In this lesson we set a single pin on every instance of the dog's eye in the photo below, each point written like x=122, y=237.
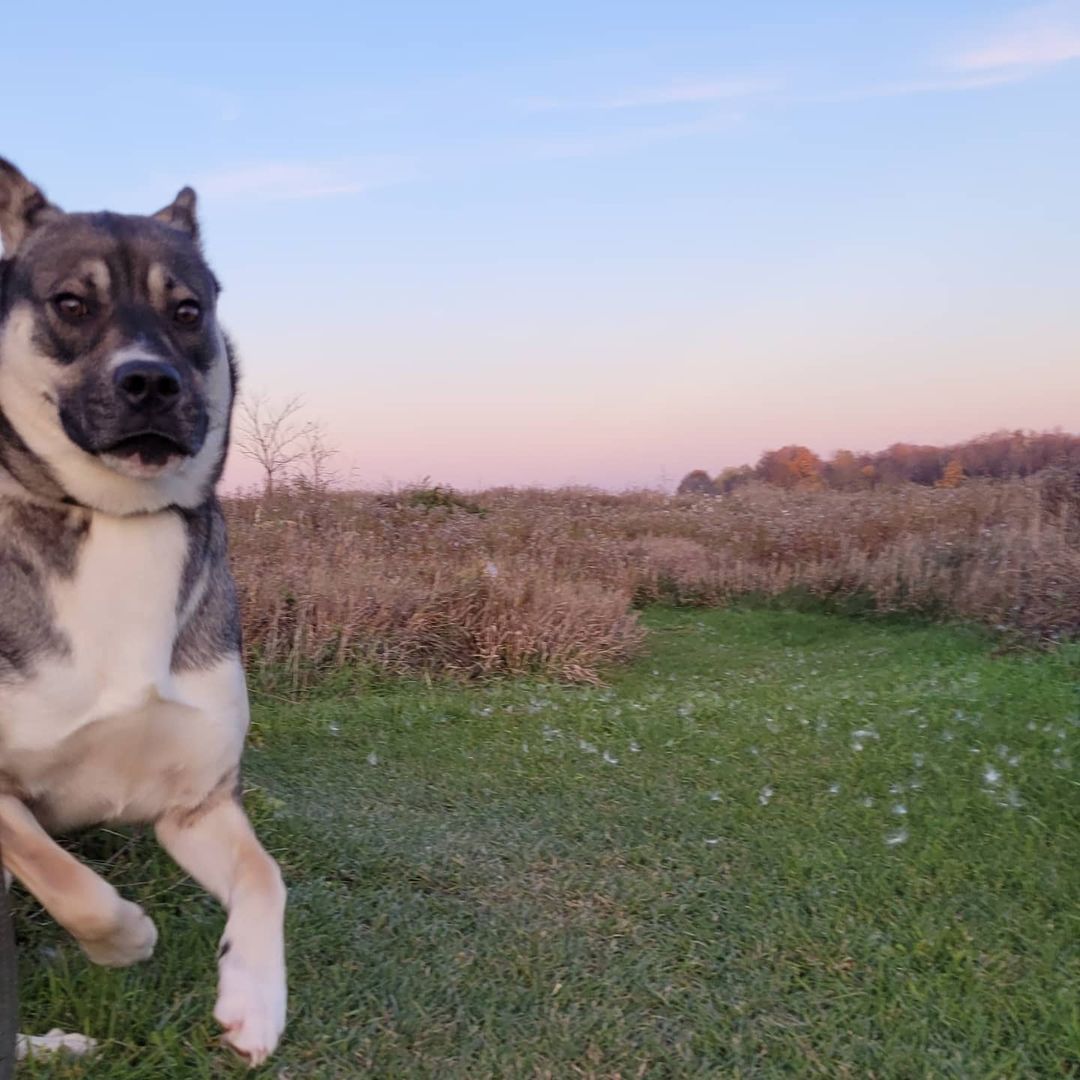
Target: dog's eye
x=187, y=313
x=71, y=306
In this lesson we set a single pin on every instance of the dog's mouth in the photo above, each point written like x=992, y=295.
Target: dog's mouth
x=149, y=448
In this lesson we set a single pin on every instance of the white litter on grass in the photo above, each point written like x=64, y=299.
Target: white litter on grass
x=551, y=733
x=897, y=838
x=714, y=796
x=634, y=747
x=918, y=760
x=765, y=794
x=834, y=789
x=587, y=747
x=610, y=758
x=859, y=737
x=899, y=809
x=52, y=1042
x=333, y=728
x=991, y=776
x=867, y=801
x=772, y=725
x=712, y=842
x=373, y=758
x=1012, y=799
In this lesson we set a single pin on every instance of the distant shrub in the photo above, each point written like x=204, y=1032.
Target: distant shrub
x=697, y=482
x=437, y=497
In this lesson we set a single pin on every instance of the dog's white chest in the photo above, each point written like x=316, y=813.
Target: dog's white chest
x=118, y=613
x=108, y=731
x=120, y=610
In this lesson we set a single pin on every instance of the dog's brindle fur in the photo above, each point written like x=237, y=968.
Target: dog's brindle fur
x=122, y=694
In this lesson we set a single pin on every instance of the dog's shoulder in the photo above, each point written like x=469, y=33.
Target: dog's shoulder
x=39, y=545
x=208, y=620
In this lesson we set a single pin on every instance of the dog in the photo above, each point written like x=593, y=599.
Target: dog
x=122, y=693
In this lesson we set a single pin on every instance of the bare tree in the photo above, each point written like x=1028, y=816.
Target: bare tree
x=275, y=438
x=314, y=465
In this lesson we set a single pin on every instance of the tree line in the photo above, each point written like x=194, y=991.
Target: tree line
x=1003, y=455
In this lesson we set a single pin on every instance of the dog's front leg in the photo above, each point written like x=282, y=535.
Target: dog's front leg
x=219, y=849
x=111, y=930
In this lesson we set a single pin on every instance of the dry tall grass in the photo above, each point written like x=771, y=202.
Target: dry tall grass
x=516, y=581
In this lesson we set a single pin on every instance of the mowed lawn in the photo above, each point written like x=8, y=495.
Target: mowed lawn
x=781, y=844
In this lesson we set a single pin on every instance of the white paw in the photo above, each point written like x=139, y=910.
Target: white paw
x=129, y=939
x=251, y=1008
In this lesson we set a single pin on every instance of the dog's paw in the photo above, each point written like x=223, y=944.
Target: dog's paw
x=130, y=938
x=251, y=1009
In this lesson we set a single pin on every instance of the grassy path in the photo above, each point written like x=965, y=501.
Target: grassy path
x=782, y=844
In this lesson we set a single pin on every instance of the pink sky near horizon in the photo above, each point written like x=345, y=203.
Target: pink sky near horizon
x=560, y=426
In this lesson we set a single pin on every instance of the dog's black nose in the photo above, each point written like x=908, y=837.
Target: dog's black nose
x=148, y=385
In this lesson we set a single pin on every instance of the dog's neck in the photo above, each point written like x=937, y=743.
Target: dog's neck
x=22, y=475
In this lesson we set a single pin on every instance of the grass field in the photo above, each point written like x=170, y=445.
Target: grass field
x=779, y=844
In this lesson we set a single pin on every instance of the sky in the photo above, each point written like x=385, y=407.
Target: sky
x=596, y=242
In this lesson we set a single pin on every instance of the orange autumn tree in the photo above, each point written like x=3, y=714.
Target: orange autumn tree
x=791, y=467
x=952, y=475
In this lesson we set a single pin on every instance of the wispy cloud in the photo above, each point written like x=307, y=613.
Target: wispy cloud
x=1034, y=38
x=280, y=180
x=679, y=92
x=602, y=144
x=943, y=84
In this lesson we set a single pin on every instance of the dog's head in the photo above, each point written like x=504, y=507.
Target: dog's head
x=116, y=382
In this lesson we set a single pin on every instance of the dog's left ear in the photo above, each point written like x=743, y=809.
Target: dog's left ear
x=23, y=207
x=180, y=213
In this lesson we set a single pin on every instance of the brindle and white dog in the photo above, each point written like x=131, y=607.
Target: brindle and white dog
x=122, y=695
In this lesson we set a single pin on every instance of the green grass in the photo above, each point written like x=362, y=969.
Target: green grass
x=477, y=892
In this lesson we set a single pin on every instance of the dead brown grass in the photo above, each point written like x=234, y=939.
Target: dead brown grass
x=510, y=582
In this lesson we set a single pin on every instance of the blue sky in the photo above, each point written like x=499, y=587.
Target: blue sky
x=597, y=242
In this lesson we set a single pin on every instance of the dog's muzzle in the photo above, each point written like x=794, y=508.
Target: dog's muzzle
x=144, y=413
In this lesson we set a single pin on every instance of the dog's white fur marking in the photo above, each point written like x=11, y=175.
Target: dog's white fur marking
x=137, y=350
x=117, y=486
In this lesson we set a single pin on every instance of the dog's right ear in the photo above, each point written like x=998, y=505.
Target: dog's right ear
x=180, y=214
x=23, y=207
